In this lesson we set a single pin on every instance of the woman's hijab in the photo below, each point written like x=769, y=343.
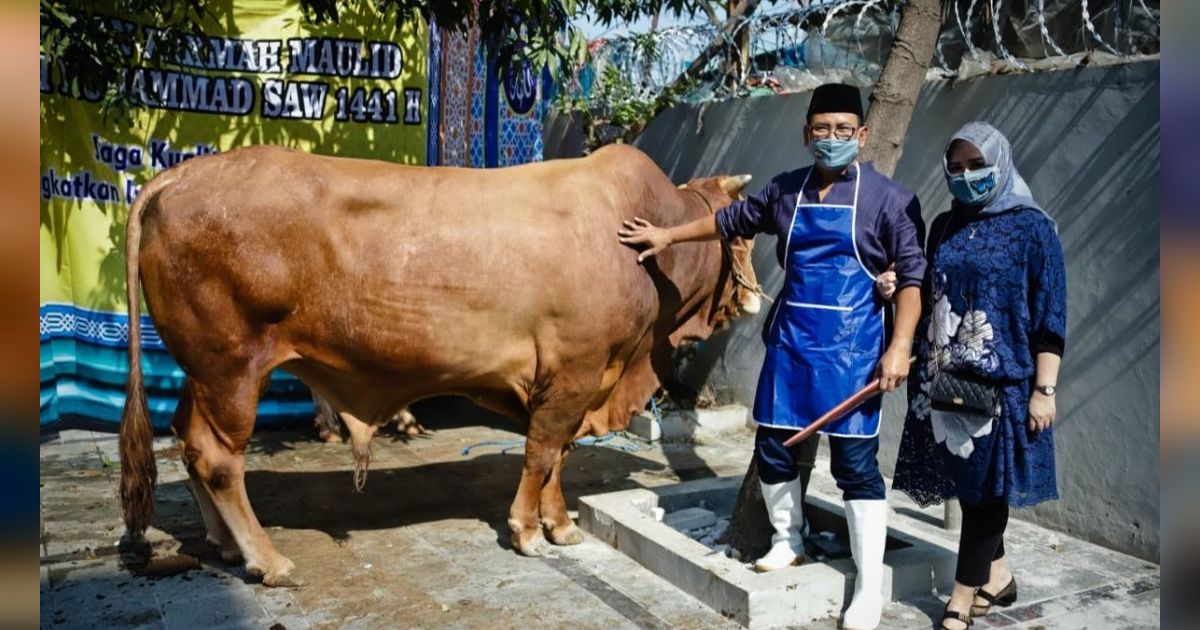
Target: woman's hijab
x=1014, y=192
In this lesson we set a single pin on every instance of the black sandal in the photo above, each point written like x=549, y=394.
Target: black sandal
x=1003, y=599
x=957, y=616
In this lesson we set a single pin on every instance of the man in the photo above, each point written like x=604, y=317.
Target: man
x=840, y=224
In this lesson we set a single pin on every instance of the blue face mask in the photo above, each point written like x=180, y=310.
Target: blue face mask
x=974, y=188
x=835, y=154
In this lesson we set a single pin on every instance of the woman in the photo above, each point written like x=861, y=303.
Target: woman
x=989, y=347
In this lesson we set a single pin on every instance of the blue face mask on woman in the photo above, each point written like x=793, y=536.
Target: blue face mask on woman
x=974, y=188
x=834, y=154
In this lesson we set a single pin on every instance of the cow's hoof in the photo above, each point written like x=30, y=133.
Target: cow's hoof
x=562, y=536
x=281, y=575
x=135, y=550
x=533, y=547
x=283, y=580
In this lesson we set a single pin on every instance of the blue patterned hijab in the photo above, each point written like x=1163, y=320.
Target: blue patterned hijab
x=1014, y=192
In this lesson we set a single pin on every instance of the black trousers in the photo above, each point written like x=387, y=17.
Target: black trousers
x=851, y=460
x=981, y=541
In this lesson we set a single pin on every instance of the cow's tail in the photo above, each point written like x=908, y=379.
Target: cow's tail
x=139, y=472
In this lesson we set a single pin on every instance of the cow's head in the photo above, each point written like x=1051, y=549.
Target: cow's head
x=738, y=293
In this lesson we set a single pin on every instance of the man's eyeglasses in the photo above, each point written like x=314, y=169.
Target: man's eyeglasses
x=824, y=132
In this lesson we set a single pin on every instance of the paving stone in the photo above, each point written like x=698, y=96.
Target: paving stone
x=662, y=600
x=95, y=588
x=282, y=608
x=185, y=602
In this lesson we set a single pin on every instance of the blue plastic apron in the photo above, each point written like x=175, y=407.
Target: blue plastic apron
x=826, y=336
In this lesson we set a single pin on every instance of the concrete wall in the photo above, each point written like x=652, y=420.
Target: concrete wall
x=1087, y=141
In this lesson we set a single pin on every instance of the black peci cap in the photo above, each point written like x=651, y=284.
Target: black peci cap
x=836, y=98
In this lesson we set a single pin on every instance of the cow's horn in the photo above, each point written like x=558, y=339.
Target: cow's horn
x=681, y=186
x=733, y=184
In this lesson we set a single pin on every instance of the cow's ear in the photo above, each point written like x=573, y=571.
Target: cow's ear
x=733, y=184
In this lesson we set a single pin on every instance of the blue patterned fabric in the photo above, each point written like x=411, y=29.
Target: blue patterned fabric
x=473, y=123
x=433, y=149
x=478, y=92
x=995, y=289
x=84, y=361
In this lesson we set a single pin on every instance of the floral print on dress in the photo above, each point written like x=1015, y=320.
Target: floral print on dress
x=973, y=344
x=957, y=341
x=958, y=430
x=943, y=326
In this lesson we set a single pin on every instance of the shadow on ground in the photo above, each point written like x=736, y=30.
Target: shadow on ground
x=310, y=486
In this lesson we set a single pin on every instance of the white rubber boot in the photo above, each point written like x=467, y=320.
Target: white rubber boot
x=785, y=509
x=868, y=534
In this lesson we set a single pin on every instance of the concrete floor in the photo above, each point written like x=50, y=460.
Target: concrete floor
x=425, y=545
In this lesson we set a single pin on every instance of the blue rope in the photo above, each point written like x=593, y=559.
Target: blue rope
x=654, y=409
x=507, y=444
x=633, y=447
x=594, y=441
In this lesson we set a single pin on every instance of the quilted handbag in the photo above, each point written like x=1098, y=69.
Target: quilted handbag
x=961, y=393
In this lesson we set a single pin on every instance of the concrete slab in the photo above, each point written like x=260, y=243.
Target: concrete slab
x=646, y=427
x=757, y=600
x=680, y=425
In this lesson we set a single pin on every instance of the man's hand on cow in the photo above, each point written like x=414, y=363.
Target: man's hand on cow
x=642, y=232
x=893, y=367
x=885, y=283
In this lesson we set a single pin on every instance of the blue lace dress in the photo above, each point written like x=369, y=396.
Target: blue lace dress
x=995, y=294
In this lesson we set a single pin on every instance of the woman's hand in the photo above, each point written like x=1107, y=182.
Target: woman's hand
x=885, y=282
x=642, y=232
x=1042, y=411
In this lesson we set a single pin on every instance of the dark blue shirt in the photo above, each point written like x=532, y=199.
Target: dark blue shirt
x=888, y=226
x=997, y=292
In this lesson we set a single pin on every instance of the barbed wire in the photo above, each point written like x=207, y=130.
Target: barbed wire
x=996, y=8
x=799, y=47
x=1091, y=27
x=1041, y=18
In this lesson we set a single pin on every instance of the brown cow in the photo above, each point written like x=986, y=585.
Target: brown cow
x=506, y=286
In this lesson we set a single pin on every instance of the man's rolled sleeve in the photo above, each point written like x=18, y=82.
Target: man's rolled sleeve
x=905, y=233
x=749, y=216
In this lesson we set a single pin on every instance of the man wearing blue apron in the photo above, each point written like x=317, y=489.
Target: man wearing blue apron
x=840, y=223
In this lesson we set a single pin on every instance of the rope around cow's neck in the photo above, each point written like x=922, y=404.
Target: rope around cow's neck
x=739, y=276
